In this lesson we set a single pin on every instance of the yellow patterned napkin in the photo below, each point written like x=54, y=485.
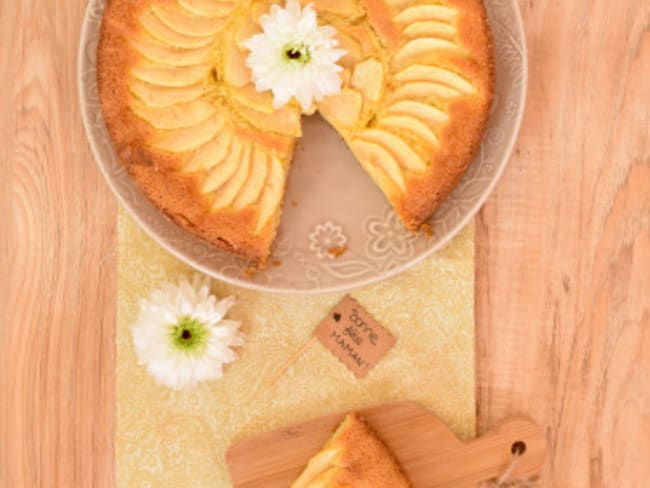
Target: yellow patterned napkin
x=171, y=439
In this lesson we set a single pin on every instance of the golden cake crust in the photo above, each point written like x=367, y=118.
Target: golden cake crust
x=155, y=172
x=355, y=457
x=462, y=136
x=177, y=193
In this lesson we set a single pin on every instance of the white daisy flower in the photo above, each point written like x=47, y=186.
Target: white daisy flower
x=294, y=56
x=181, y=335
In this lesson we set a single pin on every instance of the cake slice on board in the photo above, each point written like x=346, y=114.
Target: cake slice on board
x=428, y=453
x=353, y=456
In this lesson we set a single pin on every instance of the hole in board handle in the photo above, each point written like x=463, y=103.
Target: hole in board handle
x=518, y=448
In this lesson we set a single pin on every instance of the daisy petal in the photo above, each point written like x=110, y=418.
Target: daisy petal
x=294, y=57
x=181, y=336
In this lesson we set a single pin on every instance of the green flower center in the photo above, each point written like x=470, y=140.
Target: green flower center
x=189, y=335
x=297, y=53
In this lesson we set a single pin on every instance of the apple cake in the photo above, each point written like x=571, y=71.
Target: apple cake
x=213, y=153
x=353, y=457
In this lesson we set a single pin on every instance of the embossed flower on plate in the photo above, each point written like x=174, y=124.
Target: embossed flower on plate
x=388, y=237
x=371, y=255
x=325, y=238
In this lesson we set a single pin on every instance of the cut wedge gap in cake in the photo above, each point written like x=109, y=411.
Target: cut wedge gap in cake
x=214, y=154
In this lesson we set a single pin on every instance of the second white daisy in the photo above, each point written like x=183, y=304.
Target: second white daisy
x=294, y=56
x=182, y=336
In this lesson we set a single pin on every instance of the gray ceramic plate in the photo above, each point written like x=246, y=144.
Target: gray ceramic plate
x=330, y=201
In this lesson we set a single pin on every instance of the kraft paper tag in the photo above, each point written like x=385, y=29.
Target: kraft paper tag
x=354, y=336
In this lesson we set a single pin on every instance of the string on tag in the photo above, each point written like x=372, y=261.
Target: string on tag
x=505, y=479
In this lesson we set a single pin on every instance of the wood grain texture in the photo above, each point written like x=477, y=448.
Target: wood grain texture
x=563, y=261
x=563, y=249
x=57, y=293
x=428, y=452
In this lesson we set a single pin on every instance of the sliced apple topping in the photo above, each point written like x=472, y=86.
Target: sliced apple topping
x=208, y=8
x=351, y=46
x=187, y=139
x=407, y=124
x=373, y=158
x=368, y=78
x=418, y=13
x=162, y=96
x=249, y=97
x=210, y=154
x=425, y=48
x=430, y=115
x=430, y=28
x=318, y=468
x=171, y=76
x=346, y=76
x=269, y=140
x=379, y=177
x=364, y=35
x=246, y=30
x=260, y=7
x=420, y=72
x=437, y=91
x=172, y=56
x=342, y=109
x=165, y=34
x=225, y=169
x=226, y=194
x=271, y=194
x=236, y=73
x=348, y=9
x=252, y=189
x=184, y=22
x=283, y=121
x=405, y=156
x=176, y=116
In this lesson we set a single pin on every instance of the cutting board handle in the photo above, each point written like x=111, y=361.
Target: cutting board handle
x=486, y=458
x=490, y=455
x=430, y=454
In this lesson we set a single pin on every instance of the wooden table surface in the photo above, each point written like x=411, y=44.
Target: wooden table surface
x=563, y=254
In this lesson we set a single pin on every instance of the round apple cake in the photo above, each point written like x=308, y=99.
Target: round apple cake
x=213, y=153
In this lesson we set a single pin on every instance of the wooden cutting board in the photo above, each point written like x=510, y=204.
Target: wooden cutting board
x=428, y=451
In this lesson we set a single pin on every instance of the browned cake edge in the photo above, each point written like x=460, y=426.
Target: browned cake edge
x=155, y=172
x=363, y=448
x=177, y=194
x=461, y=138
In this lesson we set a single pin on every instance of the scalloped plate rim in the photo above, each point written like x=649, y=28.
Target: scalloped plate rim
x=163, y=241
